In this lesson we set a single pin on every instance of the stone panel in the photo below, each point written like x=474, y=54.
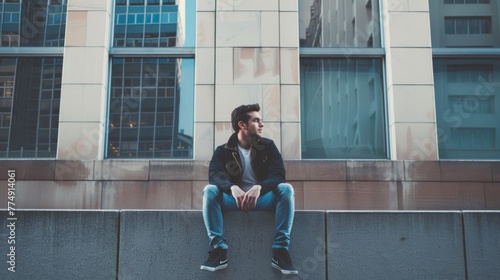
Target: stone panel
x=495, y=168
x=375, y=170
x=442, y=196
x=205, y=29
x=28, y=169
x=55, y=195
x=422, y=170
x=350, y=195
x=482, y=244
x=410, y=66
x=256, y=66
x=74, y=170
x=153, y=243
x=395, y=245
x=238, y=29
x=409, y=29
x=151, y=195
x=415, y=141
x=321, y=170
x=62, y=244
x=466, y=171
x=270, y=36
x=492, y=196
x=136, y=170
x=290, y=140
x=179, y=170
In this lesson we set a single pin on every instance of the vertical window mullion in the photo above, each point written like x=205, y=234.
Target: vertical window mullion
x=139, y=117
x=156, y=107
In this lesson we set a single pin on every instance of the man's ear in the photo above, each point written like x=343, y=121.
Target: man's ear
x=242, y=125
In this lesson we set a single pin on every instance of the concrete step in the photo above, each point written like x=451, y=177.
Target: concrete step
x=166, y=244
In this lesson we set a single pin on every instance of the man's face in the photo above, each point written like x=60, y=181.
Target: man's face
x=254, y=126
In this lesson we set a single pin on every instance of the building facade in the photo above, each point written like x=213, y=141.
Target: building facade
x=108, y=93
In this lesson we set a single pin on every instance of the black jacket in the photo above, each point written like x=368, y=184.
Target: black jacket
x=225, y=167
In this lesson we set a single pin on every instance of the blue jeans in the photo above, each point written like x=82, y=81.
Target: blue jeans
x=282, y=200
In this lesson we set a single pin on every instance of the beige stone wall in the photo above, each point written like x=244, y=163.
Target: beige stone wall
x=247, y=52
x=84, y=90
x=410, y=81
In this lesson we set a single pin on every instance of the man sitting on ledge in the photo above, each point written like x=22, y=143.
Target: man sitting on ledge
x=247, y=173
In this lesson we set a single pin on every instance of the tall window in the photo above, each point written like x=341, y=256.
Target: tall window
x=466, y=51
x=151, y=112
x=468, y=106
x=30, y=81
x=342, y=92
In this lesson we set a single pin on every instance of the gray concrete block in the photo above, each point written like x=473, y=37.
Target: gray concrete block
x=60, y=244
x=395, y=245
x=482, y=244
x=173, y=245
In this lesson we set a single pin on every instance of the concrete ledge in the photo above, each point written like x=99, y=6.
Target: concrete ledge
x=395, y=245
x=61, y=244
x=174, y=243
x=482, y=240
x=166, y=244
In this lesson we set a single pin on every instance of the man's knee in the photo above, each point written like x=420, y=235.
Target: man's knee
x=210, y=191
x=285, y=189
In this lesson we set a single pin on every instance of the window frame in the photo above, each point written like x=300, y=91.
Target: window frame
x=450, y=53
x=32, y=52
x=138, y=52
x=352, y=52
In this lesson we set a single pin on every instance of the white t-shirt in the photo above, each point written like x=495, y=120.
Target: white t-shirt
x=248, y=179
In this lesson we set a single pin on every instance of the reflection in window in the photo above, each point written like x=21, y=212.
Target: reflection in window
x=468, y=108
x=466, y=1
x=465, y=24
x=151, y=108
x=342, y=109
x=33, y=23
x=30, y=90
x=140, y=23
x=339, y=23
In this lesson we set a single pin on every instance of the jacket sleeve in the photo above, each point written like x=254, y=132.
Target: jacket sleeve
x=276, y=174
x=217, y=174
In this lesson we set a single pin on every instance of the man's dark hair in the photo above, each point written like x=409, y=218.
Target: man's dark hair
x=241, y=114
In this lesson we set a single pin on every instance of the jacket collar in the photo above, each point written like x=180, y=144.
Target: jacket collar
x=232, y=143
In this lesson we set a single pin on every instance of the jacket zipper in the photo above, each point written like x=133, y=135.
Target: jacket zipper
x=239, y=166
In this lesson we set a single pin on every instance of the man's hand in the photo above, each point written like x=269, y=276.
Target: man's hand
x=250, y=198
x=246, y=201
x=238, y=195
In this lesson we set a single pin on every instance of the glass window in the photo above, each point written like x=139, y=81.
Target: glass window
x=154, y=24
x=339, y=23
x=29, y=106
x=33, y=23
x=342, y=107
x=151, y=113
x=468, y=108
x=465, y=24
x=342, y=94
x=151, y=108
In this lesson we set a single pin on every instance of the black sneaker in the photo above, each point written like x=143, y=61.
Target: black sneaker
x=216, y=260
x=282, y=262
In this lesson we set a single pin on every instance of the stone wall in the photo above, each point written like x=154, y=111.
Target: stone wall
x=319, y=185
